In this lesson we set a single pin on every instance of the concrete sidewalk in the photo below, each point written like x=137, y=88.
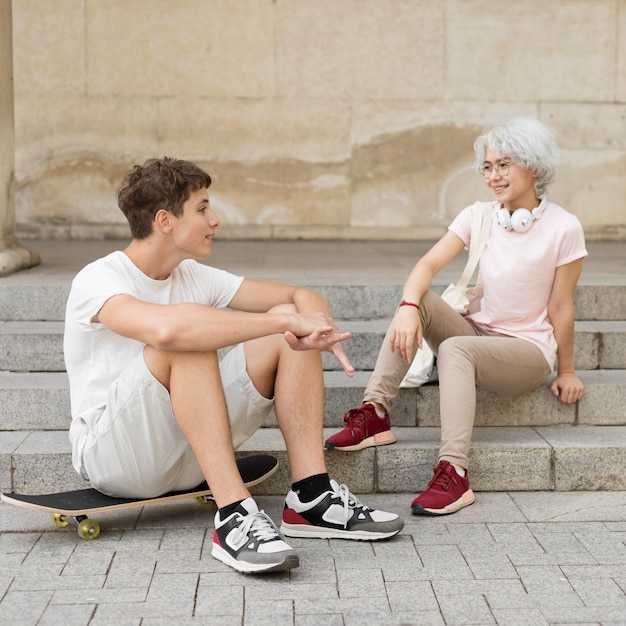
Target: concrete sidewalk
x=529, y=558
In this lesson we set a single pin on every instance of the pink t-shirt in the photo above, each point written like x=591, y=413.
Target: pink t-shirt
x=517, y=271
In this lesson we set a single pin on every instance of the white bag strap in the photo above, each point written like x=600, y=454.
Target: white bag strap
x=481, y=225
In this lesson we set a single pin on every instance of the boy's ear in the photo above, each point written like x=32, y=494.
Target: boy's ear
x=162, y=221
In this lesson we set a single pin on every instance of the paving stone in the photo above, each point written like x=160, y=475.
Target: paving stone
x=462, y=608
x=220, y=600
x=357, y=583
x=97, y=595
x=96, y=563
x=599, y=592
x=572, y=506
x=317, y=620
x=411, y=596
x=519, y=617
x=24, y=607
x=263, y=612
x=488, y=562
x=224, y=620
x=557, y=613
x=607, y=552
x=74, y=614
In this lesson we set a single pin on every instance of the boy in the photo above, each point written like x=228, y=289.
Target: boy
x=153, y=409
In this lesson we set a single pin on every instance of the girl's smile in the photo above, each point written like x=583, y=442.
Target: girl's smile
x=511, y=184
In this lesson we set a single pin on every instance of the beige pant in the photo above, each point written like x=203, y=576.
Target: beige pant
x=466, y=357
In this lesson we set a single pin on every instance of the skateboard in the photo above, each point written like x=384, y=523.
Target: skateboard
x=76, y=506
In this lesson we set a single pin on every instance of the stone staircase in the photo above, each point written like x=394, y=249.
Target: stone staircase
x=529, y=443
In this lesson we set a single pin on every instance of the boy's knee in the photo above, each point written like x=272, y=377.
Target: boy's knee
x=161, y=362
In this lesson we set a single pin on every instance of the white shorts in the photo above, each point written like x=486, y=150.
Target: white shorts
x=136, y=449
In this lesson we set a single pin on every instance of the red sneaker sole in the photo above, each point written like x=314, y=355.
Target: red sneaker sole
x=465, y=500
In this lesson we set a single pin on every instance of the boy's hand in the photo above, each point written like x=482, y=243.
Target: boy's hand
x=324, y=339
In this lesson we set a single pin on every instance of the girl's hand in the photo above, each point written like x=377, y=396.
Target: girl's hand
x=567, y=387
x=406, y=331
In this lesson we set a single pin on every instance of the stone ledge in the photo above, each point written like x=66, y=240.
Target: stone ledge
x=38, y=345
x=563, y=458
x=40, y=401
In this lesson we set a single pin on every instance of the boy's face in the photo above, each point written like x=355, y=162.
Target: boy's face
x=193, y=231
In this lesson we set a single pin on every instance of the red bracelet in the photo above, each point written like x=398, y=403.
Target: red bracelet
x=407, y=303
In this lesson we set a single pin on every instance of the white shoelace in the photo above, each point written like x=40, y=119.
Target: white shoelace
x=259, y=525
x=350, y=501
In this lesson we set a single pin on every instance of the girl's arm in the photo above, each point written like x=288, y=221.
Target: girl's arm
x=566, y=386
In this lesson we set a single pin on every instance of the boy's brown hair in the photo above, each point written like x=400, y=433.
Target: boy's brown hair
x=164, y=183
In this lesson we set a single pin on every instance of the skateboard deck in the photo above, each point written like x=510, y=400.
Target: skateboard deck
x=79, y=504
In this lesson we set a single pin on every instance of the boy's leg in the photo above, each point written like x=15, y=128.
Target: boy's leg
x=198, y=403
x=295, y=380
x=321, y=507
x=244, y=537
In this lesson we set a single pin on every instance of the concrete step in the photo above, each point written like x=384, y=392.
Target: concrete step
x=532, y=442
x=31, y=346
x=35, y=401
x=43, y=297
x=38, y=346
x=40, y=401
x=597, y=344
x=604, y=403
x=515, y=458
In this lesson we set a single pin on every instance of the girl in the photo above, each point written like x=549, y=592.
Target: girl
x=521, y=326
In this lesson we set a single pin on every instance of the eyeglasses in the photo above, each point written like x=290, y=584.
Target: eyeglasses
x=501, y=169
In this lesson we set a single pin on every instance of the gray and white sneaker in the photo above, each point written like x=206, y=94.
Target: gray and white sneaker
x=337, y=514
x=249, y=541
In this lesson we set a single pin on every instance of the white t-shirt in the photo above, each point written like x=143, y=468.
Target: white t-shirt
x=517, y=272
x=94, y=355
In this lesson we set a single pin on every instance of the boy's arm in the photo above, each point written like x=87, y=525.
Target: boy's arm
x=198, y=327
x=260, y=296
x=256, y=295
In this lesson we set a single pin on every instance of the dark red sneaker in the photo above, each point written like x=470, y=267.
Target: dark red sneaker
x=363, y=429
x=447, y=492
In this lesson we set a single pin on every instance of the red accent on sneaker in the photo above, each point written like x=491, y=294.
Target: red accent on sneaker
x=363, y=429
x=293, y=517
x=446, y=493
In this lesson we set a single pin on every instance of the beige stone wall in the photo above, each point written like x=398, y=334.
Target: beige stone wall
x=315, y=118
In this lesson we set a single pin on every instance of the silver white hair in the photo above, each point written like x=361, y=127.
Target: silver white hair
x=528, y=143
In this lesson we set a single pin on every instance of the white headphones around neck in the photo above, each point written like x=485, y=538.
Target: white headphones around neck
x=521, y=219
